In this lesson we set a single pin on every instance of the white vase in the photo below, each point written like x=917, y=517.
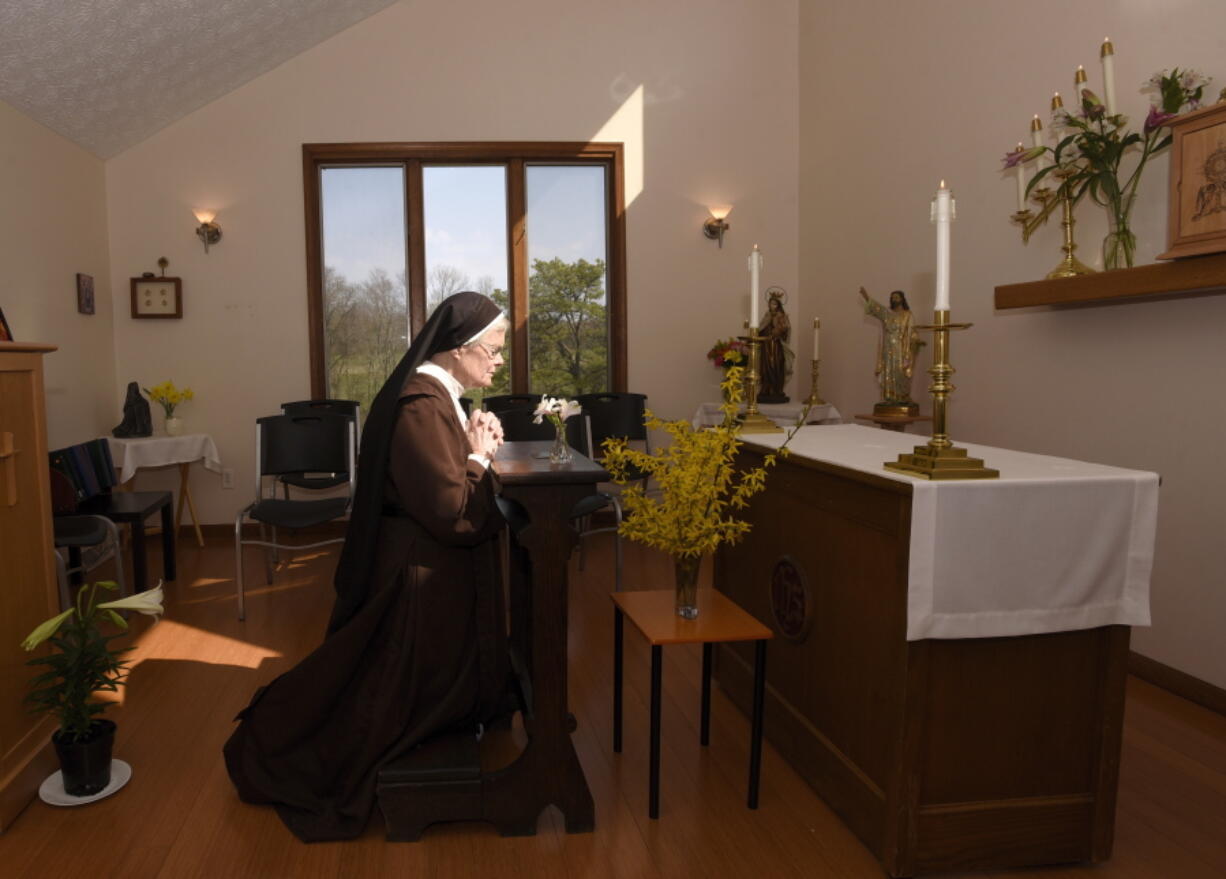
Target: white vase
x=174, y=425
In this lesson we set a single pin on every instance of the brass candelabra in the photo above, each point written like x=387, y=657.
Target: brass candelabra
x=940, y=458
x=754, y=421
x=1069, y=266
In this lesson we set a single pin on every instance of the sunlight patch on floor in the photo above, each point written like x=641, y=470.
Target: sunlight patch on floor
x=169, y=639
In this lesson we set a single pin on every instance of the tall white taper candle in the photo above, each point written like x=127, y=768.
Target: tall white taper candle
x=1036, y=139
x=817, y=325
x=943, y=215
x=1107, y=55
x=1020, y=170
x=755, y=267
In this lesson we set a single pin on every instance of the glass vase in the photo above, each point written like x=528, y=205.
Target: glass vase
x=561, y=452
x=1120, y=245
x=685, y=582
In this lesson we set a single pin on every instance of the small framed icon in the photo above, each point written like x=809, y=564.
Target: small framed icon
x=85, y=293
x=157, y=298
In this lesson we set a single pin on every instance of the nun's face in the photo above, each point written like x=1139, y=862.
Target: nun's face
x=474, y=365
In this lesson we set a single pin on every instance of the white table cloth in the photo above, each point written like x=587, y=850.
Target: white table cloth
x=131, y=454
x=783, y=414
x=1052, y=545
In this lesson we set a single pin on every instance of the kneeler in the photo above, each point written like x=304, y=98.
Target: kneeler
x=440, y=780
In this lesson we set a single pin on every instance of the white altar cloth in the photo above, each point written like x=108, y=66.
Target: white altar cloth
x=131, y=454
x=1052, y=545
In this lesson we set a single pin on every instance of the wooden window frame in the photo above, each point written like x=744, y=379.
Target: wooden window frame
x=515, y=156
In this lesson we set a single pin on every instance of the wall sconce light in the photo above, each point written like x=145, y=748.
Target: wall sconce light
x=715, y=227
x=209, y=232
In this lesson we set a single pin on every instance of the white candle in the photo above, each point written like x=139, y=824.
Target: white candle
x=1079, y=83
x=755, y=266
x=943, y=215
x=1021, y=182
x=1036, y=138
x=1107, y=55
x=817, y=325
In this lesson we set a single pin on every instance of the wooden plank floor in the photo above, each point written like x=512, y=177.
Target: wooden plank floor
x=179, y=816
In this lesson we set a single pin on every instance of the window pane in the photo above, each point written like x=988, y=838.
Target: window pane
x=365, y=302
x=465, y=212
x=568, y=326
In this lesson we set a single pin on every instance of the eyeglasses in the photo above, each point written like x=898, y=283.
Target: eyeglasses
x=491, y=353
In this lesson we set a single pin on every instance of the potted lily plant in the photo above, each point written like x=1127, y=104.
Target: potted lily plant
x=84, y=662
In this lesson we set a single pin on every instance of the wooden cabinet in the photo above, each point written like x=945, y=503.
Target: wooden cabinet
x=28, y=593
x=967, y=754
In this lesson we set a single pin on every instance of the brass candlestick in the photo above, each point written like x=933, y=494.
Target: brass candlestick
x=940, y=458
x=754, y=421
x=814, y=398
x=1070, y=266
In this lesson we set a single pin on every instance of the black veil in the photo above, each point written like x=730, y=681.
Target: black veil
x=456, y=320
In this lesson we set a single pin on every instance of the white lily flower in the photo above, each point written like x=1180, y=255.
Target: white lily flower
x=45, y=630
x=569, y=408
x=148, y=602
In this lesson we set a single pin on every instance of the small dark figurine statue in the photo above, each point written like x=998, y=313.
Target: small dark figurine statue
x=137, y=420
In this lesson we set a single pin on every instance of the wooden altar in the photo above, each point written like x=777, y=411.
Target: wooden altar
x=939, y=753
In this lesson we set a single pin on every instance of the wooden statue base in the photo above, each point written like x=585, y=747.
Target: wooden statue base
x=896, y=409
x=948, y=463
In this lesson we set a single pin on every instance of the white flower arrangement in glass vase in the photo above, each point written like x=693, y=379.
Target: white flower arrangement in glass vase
x=557, y=410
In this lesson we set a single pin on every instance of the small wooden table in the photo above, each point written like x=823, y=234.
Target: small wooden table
x=719, y=620
x=136, y=453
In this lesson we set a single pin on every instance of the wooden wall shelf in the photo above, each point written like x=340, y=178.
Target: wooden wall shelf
x=1200, y=274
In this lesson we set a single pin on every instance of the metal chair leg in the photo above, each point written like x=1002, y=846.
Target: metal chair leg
x=238, y=565
x=268, y=555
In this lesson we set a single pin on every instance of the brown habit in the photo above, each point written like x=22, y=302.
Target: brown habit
x=424, y=654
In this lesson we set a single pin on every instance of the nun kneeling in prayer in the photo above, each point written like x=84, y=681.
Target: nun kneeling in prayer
x=416, y=645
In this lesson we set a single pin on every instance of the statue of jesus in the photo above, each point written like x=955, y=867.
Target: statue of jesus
x=896, y=350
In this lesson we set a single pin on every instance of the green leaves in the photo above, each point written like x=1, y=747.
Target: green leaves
x=83, y=660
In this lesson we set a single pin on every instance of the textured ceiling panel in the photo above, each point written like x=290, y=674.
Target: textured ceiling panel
x=109, y=73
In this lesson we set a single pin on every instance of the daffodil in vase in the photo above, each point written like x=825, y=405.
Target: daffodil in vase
x=557, y=410
x=84, y=662
x=701, y=489
x=169, y=397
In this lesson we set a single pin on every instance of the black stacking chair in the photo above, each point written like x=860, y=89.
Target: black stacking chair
x=86, y=539
x=517, y=424
x=500, y=403
x=616, y=415
x=294, y=444
x=89, y=541
x=350, y=409
x=611, y=414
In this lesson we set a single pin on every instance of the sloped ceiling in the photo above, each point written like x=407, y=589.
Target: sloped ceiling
x=109, y=73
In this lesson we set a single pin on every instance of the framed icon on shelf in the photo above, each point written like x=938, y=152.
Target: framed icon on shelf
x=157, y=298
x=1197, y=218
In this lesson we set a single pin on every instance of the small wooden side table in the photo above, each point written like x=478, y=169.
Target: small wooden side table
x=719, y=619
x=894, y=422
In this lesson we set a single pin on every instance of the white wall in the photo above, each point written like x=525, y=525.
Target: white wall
x=895, y=97
x=52, y=226
x=718, y=124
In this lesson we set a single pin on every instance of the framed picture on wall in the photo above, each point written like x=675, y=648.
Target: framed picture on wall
x=1197, y=220
x=157, y=298
x=85, y=293
x=6, y=335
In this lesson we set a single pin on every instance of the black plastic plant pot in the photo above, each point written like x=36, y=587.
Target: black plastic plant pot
x=86, y=764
